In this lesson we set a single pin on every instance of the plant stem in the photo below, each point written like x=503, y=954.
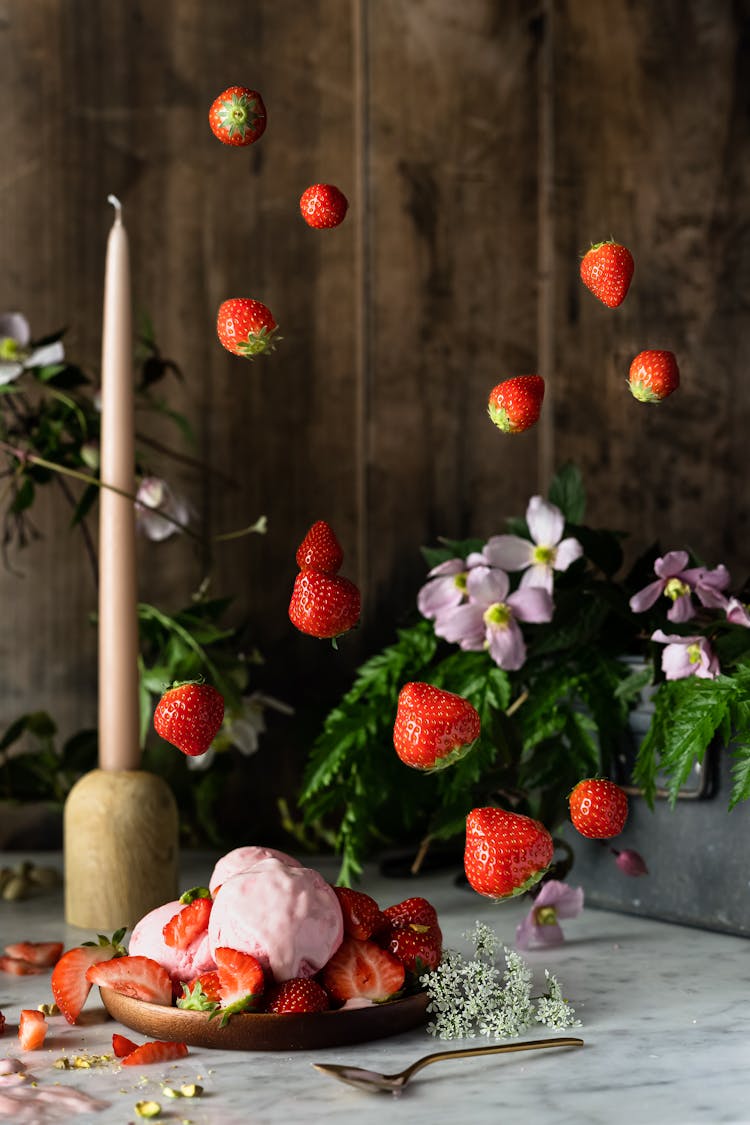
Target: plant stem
x=88, y=542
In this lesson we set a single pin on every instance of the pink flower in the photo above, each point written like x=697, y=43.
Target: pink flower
x=155, y=501
x=447, y=586
x=547, y=552
x=490, y=619
x=677, y=581
x=540, y=926
x=686, y=656
x=16, y=351
x=737, y=613
x=630, y=861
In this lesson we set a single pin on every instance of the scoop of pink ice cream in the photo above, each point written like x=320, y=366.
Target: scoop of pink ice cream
x=242, y=859
x=147, y=940
x=288, y=917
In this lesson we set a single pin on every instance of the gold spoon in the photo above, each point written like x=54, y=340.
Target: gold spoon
x=371, y=1081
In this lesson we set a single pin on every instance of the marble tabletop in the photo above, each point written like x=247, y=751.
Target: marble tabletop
x=663, y=1008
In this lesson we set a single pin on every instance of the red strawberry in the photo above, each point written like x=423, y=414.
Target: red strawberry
x=32, y=1028
x=433, y=728
x=70, y=986
x=44, y=953
x=505, y=853
x=417, y=947
x=19, y=968
x=188, y=924
x=246, y=327
x=324, y=605
x=323, y=205
x=139, y=977
x=210, y=985
x=241, y=981
x=2, y=1024
x=320, y=549
x=122, y=1046
x=515, y=404
x=598, y=808
x=607, y=270
x=362, y=915
x=362, y=969
x=301, y=994
x=155, y=1052
x=653, y=375
x=238, y=116
x=416, y=911
x=189, y=717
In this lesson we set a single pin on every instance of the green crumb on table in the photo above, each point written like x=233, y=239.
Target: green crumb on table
x=147, y=1109
x=191, y=1090
x=168, y=1092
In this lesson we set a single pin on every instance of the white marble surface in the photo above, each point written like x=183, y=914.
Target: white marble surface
x=664, y=1010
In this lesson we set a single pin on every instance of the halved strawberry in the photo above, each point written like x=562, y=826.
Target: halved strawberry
x=188, y=924
x=32, y=1028
x=362, y=969
x=44, y=953
x=18, y=968
x=300, y=994
x=122, y=1046
x=362, y=915
x=155, y=1051
x=70, y=987
x=139, y=977
x=415, y=910
x=241, y=981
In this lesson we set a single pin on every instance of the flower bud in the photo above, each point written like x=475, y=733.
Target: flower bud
x=630, y=861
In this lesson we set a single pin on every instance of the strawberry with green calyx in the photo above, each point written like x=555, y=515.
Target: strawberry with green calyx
x=188, y=924
x=195, y=998
x=506, y=853
x=241, y=981
x=298, y=995
x=246, y=327
x=195, y=892
x=320, y=549
x=139, y=977
x=362, y=970
x=70, y=986
x=607, y=270
x=189, y=716
x=323, y=206
x=598, y=808
x=361, y=913
x=515, y=404
x=653, y=375
x=433, y=728
x=237, y=117
x=324, y=605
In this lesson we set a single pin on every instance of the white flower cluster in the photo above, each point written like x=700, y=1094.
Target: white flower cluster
x=469, y=996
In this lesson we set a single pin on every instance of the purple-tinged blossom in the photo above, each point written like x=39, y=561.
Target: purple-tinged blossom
x=157, y=508
x=737, y=613
x=678, y=582
x=686, y=656
x=630, y=861
x=547, y=551
x=446, y=587
x=16, y=352
x=540, y=927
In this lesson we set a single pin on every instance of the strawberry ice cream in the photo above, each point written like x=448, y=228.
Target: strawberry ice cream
x=286, y=916
x=242, y=859
x=147, y=940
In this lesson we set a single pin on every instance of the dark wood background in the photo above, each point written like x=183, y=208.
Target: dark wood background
x=483, y=146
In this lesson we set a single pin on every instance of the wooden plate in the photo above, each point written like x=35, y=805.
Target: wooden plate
x=251, y=1032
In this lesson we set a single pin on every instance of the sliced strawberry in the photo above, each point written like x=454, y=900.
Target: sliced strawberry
x=418, y=948
x=412, y=911
x=362, y=969
x=362, y=915
x=139, y=977
x=188, y=924
x=122, y=1046
x=155, y=1052
x=2, y=1024
x=18, y=968
x=241, y=980
x=70, y=987
x=44, y=953
x=32, y=1028
x=300, y=994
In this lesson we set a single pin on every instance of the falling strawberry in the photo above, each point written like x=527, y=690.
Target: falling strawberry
x=324, y=605
x=238, y=116
x=189, y=716
x=241, y=981
x=70, y=986
x=362, y=915
x=155, y=1052
x=32, y=1029
x=653, y=375
x=515, y=404
x=434, y=728
x=300, y=994
x=246, y=327
x=607, y=270
x=506, y=853
x=42, y=953
x=122, y=1046
x=598, y=808
x=320, y=549
x=361, y=969
x=139, y=977
x=323, y=205
x=188, y=924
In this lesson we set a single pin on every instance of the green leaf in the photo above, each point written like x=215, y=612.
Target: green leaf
x=566, y=491
x=85, y=504
x=24, y=496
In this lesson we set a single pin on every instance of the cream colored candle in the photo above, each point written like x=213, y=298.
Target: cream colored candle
x=118, y=623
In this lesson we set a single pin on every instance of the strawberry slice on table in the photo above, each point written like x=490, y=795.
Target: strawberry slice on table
x=155, y=1051
x=505, y=853
x=237, y=117
x=323, y=206
x=433, y=728
x=607, y=270
x=189, y=716
x=246, y=327
x=241, y=981
x=188, y=924
x=19, y=968
x=417, y=911
x=361, y=969
x=32, y=1029
x=515, y=404
x=598, y=808
x=139, y=977
x=122, y=1046
x=320, y=549
x=42, y=953
x=70, y=987
x=653, y=375
x=362, y=915
x=300, y=994
x=324, y=605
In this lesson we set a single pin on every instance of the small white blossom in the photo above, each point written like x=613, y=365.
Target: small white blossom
x=552, y=1010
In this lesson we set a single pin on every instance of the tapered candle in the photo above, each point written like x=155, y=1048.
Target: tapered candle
x=118, y=622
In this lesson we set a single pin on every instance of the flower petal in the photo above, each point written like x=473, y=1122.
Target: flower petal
x=567, y=552
x=538, y=575
x=567, y=901
x=646, y=597
x=16, y=326
x=49, y=354
x=682, y=609
x=531, y=936
x=546, y=522
x=438, y=595
x=9, y=370
x=506, y=646
x=509, y=552
x=463, y=625
x=672, y=564
x=450, y=566
x=486, y=586
x=532, y=604
x=737, y=613
x=201, y=761
x=676, y=663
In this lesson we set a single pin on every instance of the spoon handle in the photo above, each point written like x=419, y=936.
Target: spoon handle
x=467, y=1052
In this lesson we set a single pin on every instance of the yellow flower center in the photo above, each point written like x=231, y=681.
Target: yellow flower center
x=9, y=348
x=460, y=581
x=675, y=589
x=498, y=615
x=694, y=653
x=545, y=916
x=543, y=556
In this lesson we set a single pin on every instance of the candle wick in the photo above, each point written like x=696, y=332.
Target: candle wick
x=117, y=206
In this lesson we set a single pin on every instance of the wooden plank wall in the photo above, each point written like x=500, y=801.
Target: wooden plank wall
x=482, y=147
